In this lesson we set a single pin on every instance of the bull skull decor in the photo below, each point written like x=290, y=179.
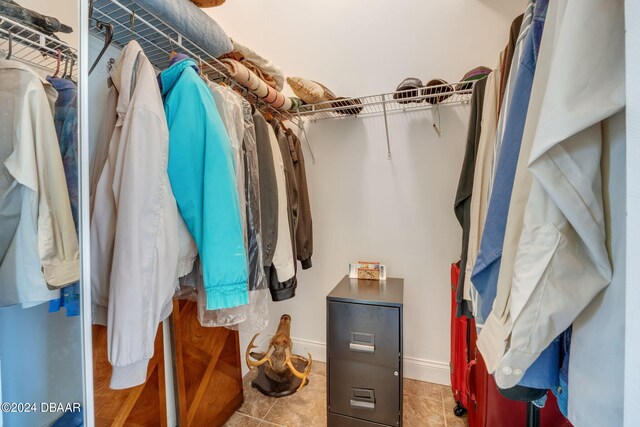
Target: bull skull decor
x=279, y=371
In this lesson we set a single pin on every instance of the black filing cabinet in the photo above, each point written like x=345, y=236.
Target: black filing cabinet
x=364, y=353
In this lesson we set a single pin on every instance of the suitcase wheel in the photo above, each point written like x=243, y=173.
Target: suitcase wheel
x=459, y=410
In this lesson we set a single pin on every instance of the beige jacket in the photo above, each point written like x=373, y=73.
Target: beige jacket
x=134, y=223
x=561, y=261
x=482, y=177
x=38, y=242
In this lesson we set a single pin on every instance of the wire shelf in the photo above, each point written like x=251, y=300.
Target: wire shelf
x=35, y=48
x=158, y=39
x=385, y=103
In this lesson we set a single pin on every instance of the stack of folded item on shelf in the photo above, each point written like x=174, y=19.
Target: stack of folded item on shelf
x=190, y=21
x=312, y=92
x=265, y=69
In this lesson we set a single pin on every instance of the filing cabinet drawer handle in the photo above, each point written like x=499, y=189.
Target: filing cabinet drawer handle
x=362, y=342
x=362, y=348
x=363, y=398
x=359, y=404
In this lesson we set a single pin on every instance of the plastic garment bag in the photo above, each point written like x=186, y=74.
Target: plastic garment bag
x=253, y=316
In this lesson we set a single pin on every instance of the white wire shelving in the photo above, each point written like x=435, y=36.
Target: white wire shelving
x=36, y=49
x=385, y=103
x=414, y=99
x=158, y=39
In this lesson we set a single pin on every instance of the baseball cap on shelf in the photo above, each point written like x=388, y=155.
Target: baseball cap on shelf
x=472, y=75
x=403, y=91
x=435, y=87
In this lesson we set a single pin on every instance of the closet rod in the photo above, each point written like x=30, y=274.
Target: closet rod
x=158, y=39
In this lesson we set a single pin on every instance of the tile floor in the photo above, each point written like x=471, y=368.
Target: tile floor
x=425, y=405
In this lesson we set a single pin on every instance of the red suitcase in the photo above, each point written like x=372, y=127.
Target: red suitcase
x=459, y=349
x=476, y=391
x=488, y=408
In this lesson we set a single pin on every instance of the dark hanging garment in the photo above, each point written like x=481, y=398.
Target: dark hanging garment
x=268, y=191
x=281, y=291
x=462, y=206
x=255, y=255
x=304, y=228
x=508, y=57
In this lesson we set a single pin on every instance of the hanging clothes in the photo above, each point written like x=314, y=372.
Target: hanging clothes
x=66, y=122
x=563, y=224
x=291, y=185
x=282, y=275
x=38, y=242
x=491, y=341
x=255, y=315
x=202, y=171
x=594, y=395
x=544, y=374
x=487, y=265
x=514, y=32
x=134, y=223
x=481, y=179
x=510, y=75
x=101, y=151
x=229, y=105
x=304, y=228
x=462, y=203
x=268, y=191
x=255, y=255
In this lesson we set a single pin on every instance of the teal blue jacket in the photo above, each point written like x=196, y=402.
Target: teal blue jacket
x=203, y=178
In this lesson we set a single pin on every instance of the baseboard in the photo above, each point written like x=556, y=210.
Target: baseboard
x=427, y=370
x=414, y=368
x=318, y=350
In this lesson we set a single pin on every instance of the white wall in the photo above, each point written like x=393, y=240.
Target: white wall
x=41, y=352
x=632, y=347
x=366, y=207
x=65, y=10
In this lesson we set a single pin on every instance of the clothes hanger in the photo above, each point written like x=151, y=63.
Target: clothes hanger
x=66, y=66
x=55, y=75
x=172, y=51
x=200, y=67
x=267, y=116
x=10, y=50
x=132, y=24
x=68, y=76
x=108, y=37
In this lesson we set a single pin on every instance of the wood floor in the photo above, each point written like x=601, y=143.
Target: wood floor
x=425, y=405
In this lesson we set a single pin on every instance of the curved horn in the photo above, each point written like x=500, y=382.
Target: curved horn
x=260, y=362
x=303, y=376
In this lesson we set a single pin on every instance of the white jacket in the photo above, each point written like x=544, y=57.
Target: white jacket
x=283, y=254
x=561, y=261
x=38, y=241
x=134, y=223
